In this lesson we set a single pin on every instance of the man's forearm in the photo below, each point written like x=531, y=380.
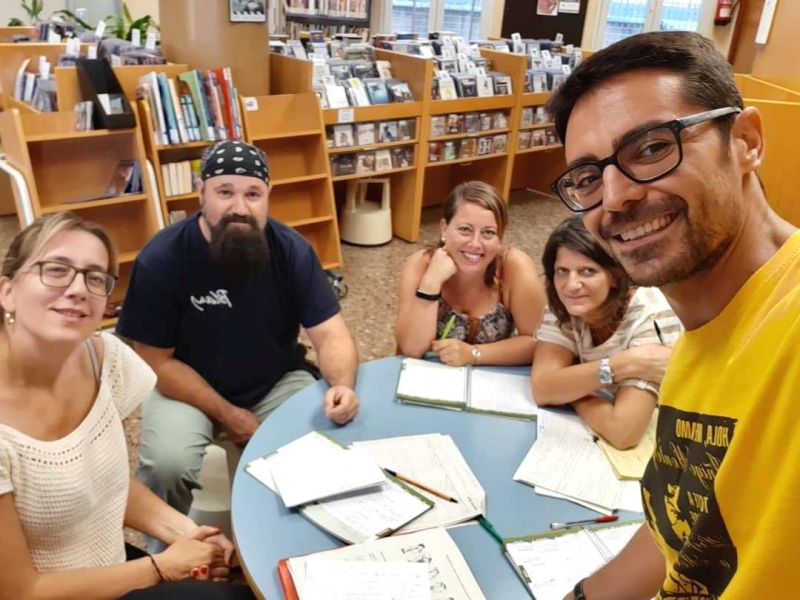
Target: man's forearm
x=636, y=574
x=179, y=381
x=338, y=361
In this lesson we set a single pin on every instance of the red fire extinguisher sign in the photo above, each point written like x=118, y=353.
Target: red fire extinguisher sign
x=723, y=12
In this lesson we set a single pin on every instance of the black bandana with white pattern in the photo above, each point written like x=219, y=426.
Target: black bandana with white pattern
x=232, y=157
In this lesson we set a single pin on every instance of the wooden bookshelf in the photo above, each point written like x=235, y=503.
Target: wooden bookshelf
x=7, y=33
x=301, y=189
x=290, y=75
x=67, y=170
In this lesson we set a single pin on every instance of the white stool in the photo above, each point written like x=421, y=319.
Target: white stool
x=364, y=222
x=212, y=504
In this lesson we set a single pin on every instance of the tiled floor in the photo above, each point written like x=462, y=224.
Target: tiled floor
x=371, y=276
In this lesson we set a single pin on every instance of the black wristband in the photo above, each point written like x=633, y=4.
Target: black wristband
x=153, y=560
x=431, y=297
x=578, y=591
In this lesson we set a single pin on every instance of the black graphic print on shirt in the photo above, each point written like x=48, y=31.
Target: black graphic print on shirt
x=681, y=503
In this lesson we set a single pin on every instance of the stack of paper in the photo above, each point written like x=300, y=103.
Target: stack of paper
x=466, y=388
x=352, y=517
x=383, y=571
x=313, y=467
x=566, y=462
x=631, y=464
x=435, y=461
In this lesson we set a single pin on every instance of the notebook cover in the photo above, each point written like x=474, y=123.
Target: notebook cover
x=287, y=583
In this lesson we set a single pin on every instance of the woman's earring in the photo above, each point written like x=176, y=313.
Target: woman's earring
x=442, y=239
x=10, y=318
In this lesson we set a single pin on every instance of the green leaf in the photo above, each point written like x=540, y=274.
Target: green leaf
x=126, y=12
x=70, y=15
x=14, y=22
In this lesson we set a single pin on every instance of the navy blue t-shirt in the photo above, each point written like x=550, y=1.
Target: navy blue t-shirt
x=240, y=336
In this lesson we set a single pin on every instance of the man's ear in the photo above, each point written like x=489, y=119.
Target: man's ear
x=747, y=138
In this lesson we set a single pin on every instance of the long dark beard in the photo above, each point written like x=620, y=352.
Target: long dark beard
x=240, y=251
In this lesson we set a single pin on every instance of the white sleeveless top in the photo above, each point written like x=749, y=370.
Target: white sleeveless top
x=70, y=494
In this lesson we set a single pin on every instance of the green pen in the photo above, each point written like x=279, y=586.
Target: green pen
x=448, y=328
x=490, y=528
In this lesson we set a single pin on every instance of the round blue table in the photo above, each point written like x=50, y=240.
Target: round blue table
x=266, y=532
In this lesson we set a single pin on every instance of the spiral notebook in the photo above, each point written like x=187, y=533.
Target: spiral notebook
x=550, y=563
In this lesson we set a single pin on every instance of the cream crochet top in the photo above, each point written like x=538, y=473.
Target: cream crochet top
x=70, y=494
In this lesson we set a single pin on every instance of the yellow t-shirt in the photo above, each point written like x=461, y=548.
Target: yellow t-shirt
x=722, y=491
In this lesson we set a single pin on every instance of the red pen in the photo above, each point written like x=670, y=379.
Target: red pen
x=610, y=519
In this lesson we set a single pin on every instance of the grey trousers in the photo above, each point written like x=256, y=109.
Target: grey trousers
x=175, y=436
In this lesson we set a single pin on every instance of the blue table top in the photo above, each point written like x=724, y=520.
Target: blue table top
x=266, y=531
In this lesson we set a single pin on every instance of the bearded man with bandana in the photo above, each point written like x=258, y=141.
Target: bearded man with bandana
x=214, y=306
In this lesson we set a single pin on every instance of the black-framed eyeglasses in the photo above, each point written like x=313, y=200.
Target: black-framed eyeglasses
x=59, y=275
x=645, y=157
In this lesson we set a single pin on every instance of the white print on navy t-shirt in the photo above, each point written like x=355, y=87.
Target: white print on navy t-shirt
x=220, y=297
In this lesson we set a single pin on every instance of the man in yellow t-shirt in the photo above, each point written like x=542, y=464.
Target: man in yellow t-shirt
x=662, y=160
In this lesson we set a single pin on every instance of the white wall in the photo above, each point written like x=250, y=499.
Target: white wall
x=140, y=8
x=10, y=9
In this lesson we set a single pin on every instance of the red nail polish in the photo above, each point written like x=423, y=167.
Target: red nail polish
x=204, y=570
x=195, y=572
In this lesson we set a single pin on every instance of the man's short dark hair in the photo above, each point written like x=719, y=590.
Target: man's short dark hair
x=708, y=78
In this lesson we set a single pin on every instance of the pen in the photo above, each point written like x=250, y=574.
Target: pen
x=658, y=333
x=610, y=519
x=448, y=328
x=490, y=528
x=421, y=486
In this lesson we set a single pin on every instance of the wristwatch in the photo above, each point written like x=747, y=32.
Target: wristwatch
x=476, y=354
x=578, y=591
x=604, y=373
x=426, y=296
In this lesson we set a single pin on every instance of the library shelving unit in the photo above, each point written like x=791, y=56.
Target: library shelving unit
x=441, y=177
x=535, y=167
x=290, y=75
x=64, y=169
x=7, y=33
x=290, y=130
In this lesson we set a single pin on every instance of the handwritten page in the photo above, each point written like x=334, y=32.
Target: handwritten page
x=435, y=461
x=313, y=467
x=351, y=580
x=429, y=382
x=504, y=393
x=449, y=576
x=565, y=459
x=261, y=469
x=630, y=464
x=551, y=563
x=550, y=566
x=367, y=514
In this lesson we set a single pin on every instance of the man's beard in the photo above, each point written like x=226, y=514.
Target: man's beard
x=680, y=256
x=240, y=251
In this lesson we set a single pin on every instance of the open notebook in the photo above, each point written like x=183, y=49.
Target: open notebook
x=550, y=563
x=448, y=577
x=356, y=516
x=465, y=388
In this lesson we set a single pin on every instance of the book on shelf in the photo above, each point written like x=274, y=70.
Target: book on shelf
x=179, y=178
x=193, y=107
x=525, y=138
x=471, y=122
x=365, y=134
x=399, y=90
x=438, y=126
x=343, y=135
x=435, y=152
x=451, y=149
x=343, y=164
x=126, y=179
x=465, y=388
x=550, y=563
x=402, y=157
x=466, y=85
x=500, y=143
x=484, y=86
x=455, y=124
x=485, y=146
x=406, y=129
x=387, y=132
x=336, y=96
x=377, y=91
x=365, y=162
x=383, y=160
x=384, y=68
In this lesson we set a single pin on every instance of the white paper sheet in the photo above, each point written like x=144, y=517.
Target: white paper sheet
x=449, y=576
x=501, y=392
x=312, y=467
x=352, y=580
x=433, y=460
x=434, y=382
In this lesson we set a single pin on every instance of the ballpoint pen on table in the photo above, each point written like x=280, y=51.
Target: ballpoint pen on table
x=421, y=486
x=490, y=528
x=609, y=519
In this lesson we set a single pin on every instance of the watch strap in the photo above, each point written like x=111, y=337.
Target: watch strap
x=578, y=591
x=426, y=296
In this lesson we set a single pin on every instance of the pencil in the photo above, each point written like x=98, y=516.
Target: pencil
x=448, y=328
x=421, y=486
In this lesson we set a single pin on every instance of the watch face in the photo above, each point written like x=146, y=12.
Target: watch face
x=476, y=353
